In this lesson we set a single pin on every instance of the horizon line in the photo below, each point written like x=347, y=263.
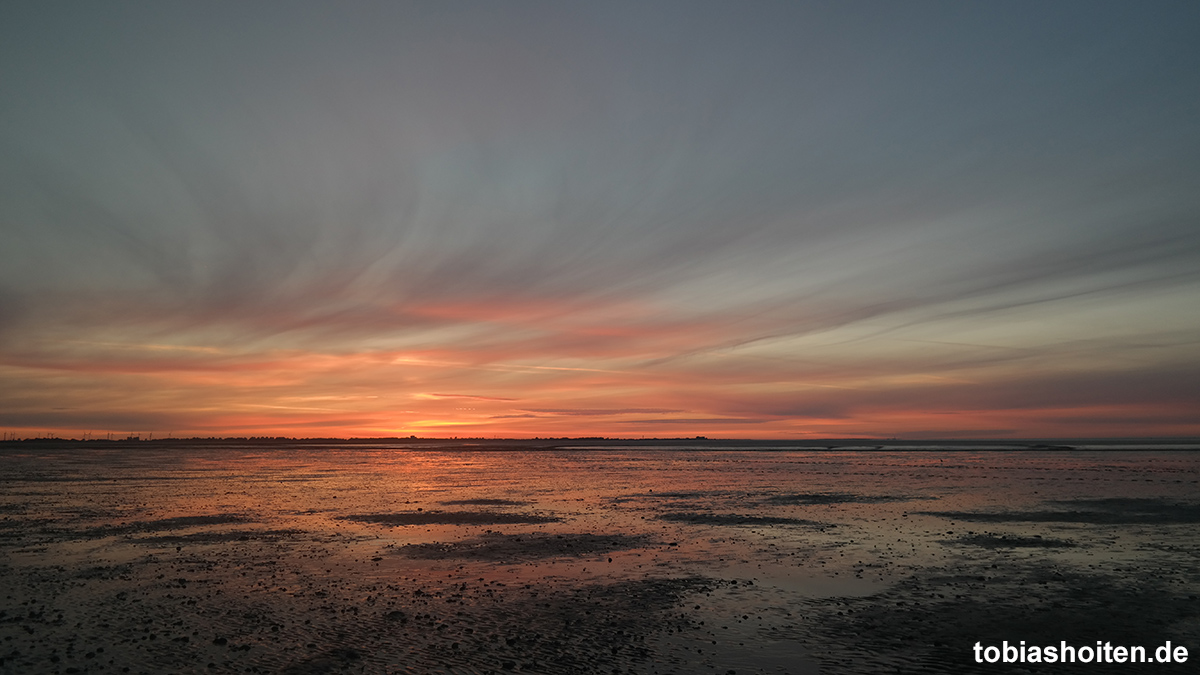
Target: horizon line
x=135, y=438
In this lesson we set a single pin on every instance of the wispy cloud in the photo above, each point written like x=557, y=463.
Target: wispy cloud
x=468, y=396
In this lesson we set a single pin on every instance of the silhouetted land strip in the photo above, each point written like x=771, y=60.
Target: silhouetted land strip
x=834, y=498
x=495, y=546
x=1112, y=511
x=733, y=519
x=1011, y=541
x=221, y=537
x=52, y=529
x=589, y=443
x=163, y=524
x=449, y=518
x=484, y=502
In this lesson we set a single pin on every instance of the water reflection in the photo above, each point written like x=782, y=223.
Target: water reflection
x=297, y=558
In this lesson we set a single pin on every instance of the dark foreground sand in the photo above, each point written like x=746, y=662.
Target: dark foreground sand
x=225, y=560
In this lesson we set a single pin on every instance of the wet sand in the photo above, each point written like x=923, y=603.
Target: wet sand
x=378, y=559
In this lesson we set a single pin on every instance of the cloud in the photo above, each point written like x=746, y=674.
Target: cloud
x=698, y=421
x=469, y=396
x=600, y=412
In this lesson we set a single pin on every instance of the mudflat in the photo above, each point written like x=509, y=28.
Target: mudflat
x=307, y=558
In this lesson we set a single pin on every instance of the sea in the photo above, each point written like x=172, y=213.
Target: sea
x=595, y=555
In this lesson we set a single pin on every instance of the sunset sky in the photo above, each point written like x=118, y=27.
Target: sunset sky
x=517, y=219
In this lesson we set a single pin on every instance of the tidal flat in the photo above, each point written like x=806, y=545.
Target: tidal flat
x=450, y=557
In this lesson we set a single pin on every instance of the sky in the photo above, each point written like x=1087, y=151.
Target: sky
x=643, y=219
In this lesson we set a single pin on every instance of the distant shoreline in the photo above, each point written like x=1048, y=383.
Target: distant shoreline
x=598, y=443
